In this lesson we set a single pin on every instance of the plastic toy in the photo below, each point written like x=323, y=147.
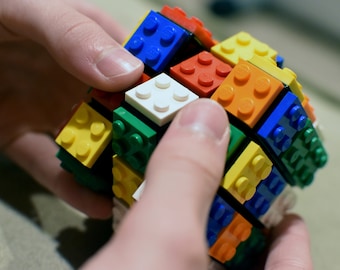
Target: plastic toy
x=274, y=142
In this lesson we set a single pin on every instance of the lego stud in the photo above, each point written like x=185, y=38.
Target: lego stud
x=261, y=49
x=262, y=87
x=242, y=73
x=153, y=55
x=187, y=68
x=168, y=35
x=143, y=93
x=97, y=129
x=180, y=95
x=226, y=252
x=205, y=58
x=118, y=175
x=136, y=141
x=297, y=118
x=246, y=107
x=205, y=79
x=226, y=96
x=228, y=47
x=161, y=105
x=244, y=188
x=68, y=136
x=118, y=190
x=243, y=39
x=82, y=116
x=223, y=70
x=242, y=231
x=281, y=141
x=136, y=45
x=150, y=25
x=83, y=149
x=163, y=82
x=118, y=129
x=259, y=165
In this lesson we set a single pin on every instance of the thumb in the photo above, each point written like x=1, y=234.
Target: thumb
x=78, y=43
x=166, y=228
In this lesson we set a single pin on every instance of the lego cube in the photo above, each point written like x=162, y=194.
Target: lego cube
x=285, y=75
x=249, y=169
x=193, y=24
x=220, y=215
x=202, y=73
x=156, y=41
x=125, y=180
x=242, y=46
x=304, y=157
x=160, y=98
x=132, y=139
x=280, y=127
x=86, y=135
x=247, y=92
x=230, y=237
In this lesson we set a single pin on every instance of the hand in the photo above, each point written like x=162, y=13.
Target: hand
x=50, y=51
x=165, y=229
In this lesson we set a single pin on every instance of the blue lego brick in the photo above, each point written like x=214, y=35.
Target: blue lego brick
x=266, y=193
x=156, y=41
x=279, y=61
x=283, y=123
x=305, y=156
x=221, y=214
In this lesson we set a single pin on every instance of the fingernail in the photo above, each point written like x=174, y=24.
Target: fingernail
x=117, y=61
x=206, y=118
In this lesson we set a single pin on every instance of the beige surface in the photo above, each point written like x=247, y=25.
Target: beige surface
x=316, y=60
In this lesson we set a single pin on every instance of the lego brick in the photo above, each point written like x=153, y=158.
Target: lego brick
x=109, y=100
x=309, y=108
x=242, y=46
x=281, y=205
x=266, y=192
x=280, y=127
x=97, y=180
x=193, y=24
x=236, y=140
x=202, y=73
x=247, y=92
x=230, y=237
x=249, y=169
x=125, y=180
x=279, y=61
x=285, y=75
x=86, y=135
x=220, y=215
x=132, y=139
x=249, y=252
x=160, y=98
x=305, y=156
x=156, y=41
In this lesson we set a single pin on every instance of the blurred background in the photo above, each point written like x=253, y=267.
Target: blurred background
x=38, y=231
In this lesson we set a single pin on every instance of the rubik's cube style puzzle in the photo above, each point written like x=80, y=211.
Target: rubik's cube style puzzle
x=274, y=144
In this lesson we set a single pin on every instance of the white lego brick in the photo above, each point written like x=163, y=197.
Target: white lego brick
x=160, y=98
x=138, y=192
x=283, y=203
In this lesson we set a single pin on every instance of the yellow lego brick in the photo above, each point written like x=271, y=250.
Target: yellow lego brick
x=249, y=169
x=242, y=46
x=86, y=135
x=285, y=75
x=125, y=180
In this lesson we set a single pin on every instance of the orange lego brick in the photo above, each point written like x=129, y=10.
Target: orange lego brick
x=230, y=237
x=247, y=92
x=86, y=135
x=202, y=73
x=125, y=180
x=249, y=169
x=193, y=24
x=285, y=75
x=242, y=46
x=308, y=108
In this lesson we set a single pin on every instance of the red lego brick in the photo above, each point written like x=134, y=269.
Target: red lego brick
x=193, y=24
x=202, y=73
x=247, y=92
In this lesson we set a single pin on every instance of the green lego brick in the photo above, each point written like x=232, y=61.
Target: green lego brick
x=133, y=140
x=237, y=137
x=305, y=156
x=97, y=180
